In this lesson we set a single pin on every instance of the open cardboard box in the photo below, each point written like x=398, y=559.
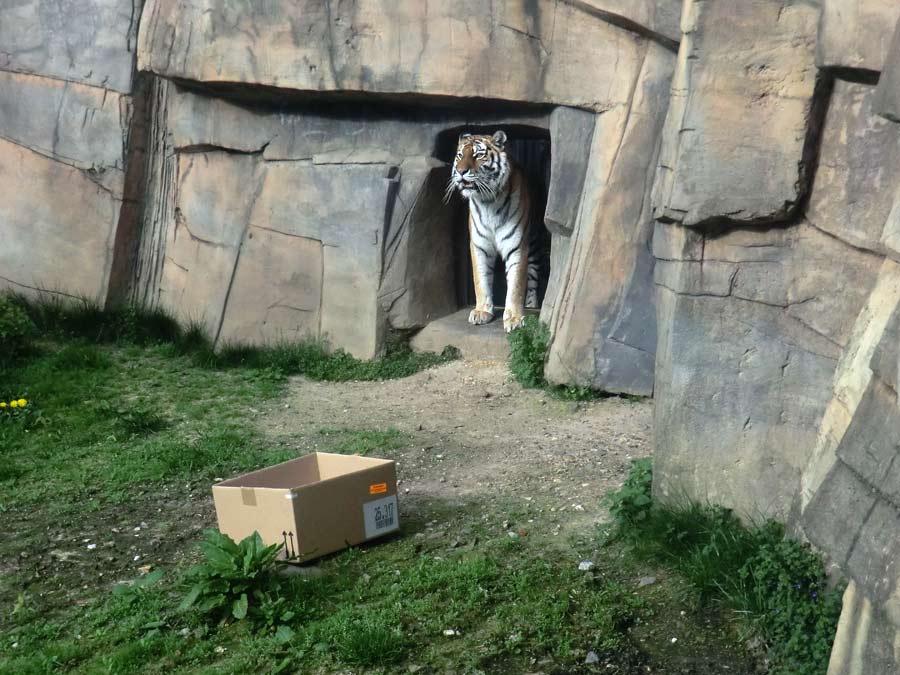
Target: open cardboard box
x=314, y=505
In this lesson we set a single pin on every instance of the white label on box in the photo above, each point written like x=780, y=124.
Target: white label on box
x=380, y=516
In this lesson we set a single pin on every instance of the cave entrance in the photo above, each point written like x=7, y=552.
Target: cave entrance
x=530, y=148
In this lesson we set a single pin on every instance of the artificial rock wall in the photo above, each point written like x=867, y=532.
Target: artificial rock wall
x=778, y=287
x=292, y=157
x=727, y=171
x=70, y=107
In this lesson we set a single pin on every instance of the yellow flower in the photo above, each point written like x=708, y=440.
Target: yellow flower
x=2, y=404
x=22, y=402
x=13, y=404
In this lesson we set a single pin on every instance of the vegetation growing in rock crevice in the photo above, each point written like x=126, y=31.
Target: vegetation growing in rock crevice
x=528, y=347
x=777, y=587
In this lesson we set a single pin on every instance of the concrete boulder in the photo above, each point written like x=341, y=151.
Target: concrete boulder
x=602, y=322
x=559, y=53
x=733, y=146
x=856, y=34
x=70, y=127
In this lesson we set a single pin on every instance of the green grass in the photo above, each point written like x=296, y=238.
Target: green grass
x=126, y=423
x=777, y=587
x=375, y=608
x=121, y=432
x=363, y=441
x=85, y=321
x=528, y=347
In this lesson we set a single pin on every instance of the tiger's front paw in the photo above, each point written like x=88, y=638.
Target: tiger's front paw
x=479, y=317
x=512, y=321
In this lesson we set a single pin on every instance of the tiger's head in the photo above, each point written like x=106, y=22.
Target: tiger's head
x=481, y=167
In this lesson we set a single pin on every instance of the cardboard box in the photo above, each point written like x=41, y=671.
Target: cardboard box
x=314, y=505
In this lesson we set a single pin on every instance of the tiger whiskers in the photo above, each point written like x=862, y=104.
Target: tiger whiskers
x=448, y=192
x=485, y=189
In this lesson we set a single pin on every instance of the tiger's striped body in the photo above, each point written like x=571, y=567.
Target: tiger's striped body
x=499, y=224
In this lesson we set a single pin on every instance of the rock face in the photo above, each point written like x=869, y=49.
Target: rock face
x=603, y=325
x=510, y=51
x=67, y=130
x=856, y=34
x=776, y=377
x=737, y=124
x=206, y=148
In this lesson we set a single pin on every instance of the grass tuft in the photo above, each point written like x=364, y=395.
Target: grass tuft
x=363, y=441
x=777, y=586
x=528, y=347
x=88, y=324
x=528, y=351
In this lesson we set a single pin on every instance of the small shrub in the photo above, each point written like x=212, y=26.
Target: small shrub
x=17, y=330
x=238, y=581
x=527, y=352
x=778, y=586
x=631, y=503
x=784, y=588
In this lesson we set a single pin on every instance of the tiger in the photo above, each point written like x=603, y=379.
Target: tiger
x=499, y=224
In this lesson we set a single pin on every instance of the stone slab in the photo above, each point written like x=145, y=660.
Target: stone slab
x=859, y=167
x=886, y=357
x=89, y=41
x=571, y=132
x=856, y=33
x=603, y=334
x=887, y=101
x=744, y=371
x=866, y=642
x=737, y=124
x=86, y=127
x=56, y=224
x=329, y=224
x=871, y=446
x=538, y=52
x=475, y=343
x=418, y=280
x=276, y=294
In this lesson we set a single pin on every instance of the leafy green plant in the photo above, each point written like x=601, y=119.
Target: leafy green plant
x=527, y=352
x=17, y=330
x=783, y=586
x=632, y=502
x=238, y=581
x=778, y=586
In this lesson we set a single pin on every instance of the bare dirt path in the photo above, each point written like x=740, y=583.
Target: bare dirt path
x=472, y=435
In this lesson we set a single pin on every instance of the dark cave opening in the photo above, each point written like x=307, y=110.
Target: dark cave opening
x=529, y=147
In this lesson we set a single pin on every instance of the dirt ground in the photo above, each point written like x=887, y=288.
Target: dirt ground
x=476, y=437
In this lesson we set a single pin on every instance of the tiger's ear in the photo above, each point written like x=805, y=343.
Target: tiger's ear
x=499, y=138
x=464, y=137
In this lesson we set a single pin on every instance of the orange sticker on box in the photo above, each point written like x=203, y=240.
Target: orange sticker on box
x=377, y=488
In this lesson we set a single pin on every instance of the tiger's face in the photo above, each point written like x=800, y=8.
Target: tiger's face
x=481, y=168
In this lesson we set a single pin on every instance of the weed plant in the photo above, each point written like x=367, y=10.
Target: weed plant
x=528, y=347
x=777, y=586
